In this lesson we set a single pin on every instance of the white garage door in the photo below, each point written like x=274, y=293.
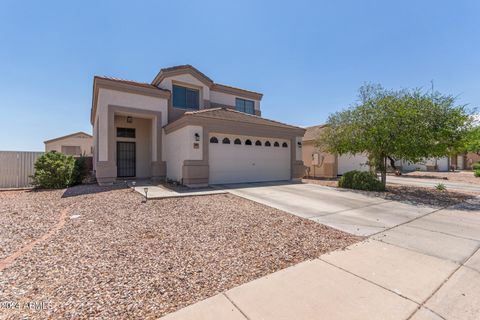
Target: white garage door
x=348, y=162
x=238, y=163
x=441, y=163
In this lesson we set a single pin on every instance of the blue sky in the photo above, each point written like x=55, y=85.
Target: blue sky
x=307, y=57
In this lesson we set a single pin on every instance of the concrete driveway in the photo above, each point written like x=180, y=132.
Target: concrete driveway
x=349, y=211
x=419, y=263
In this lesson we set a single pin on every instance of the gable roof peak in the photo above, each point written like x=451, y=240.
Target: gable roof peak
x=187, y=68
x=183, y=68
x=68, y=136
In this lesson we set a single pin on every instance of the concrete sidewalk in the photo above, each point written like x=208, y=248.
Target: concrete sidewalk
x=426, y=268
x=158, y=191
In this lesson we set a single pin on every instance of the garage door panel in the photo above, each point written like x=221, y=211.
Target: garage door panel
x=230, y=163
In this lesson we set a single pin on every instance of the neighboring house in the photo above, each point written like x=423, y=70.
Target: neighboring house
x=318, y=164
x=184, y=127
x=75, y=144
x=464, y=161
x=432, y=164
x=325, y=165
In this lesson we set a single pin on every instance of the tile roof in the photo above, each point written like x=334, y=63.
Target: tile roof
x=214, y=86
x=234, y=115
x=131, y=82
x=184, y=66
x=313, y=132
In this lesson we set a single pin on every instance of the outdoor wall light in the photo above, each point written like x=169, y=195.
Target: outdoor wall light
x=299, y=144
x=129, y=119
x=197, y=137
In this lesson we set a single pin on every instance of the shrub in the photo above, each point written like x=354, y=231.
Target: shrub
x=476, y=166
x=440, y=187
x=361, y=181
x=80, y=170
x=54, y=170
x=476, y=173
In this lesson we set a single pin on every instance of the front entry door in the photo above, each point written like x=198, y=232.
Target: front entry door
x=125, y=159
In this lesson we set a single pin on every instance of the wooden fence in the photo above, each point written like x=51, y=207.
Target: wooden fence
x=16, y=167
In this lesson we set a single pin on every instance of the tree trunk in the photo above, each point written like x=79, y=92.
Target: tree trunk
x=383, y=170
x=392, y=163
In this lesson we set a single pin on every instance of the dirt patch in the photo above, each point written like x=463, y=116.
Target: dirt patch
x=409, y=194
x=426, y=196
x=118, y=257
x=457, y=176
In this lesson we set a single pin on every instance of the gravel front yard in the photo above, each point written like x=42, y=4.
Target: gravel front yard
x=121, y=258
x=25, y=216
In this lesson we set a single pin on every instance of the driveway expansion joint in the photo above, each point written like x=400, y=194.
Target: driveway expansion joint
x=236, y=306
x=346, y=210
x=370, y=281
x=407, y=222
x=445, y=281
x=445, y=233
x=418, y=251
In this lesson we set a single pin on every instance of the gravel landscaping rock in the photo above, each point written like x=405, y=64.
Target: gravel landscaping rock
x=25, y=216
x=123, y=258
x=457, y=176
x=409, y=194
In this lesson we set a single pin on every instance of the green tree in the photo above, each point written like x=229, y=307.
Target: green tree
x=404, y=124
x=472, y=143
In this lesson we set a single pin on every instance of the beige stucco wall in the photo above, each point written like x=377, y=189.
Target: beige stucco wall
x=95, y=139
x=108, y=97
x=183, y=79
x=205, y=93
x=143, y=149
x=470, y=159
x=327, y=167
x=179, y=146
x=229, y=99
x=83, y=141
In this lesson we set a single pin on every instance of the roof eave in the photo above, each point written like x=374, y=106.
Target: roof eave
x=123, y=86
x=68, y=136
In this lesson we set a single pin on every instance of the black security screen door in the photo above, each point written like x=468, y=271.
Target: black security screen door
x=125, y=159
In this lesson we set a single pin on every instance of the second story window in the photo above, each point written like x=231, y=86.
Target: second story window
x=246, y=106
x=185, y=98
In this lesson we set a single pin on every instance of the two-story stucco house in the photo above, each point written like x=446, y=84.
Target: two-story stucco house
x=185, y=127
